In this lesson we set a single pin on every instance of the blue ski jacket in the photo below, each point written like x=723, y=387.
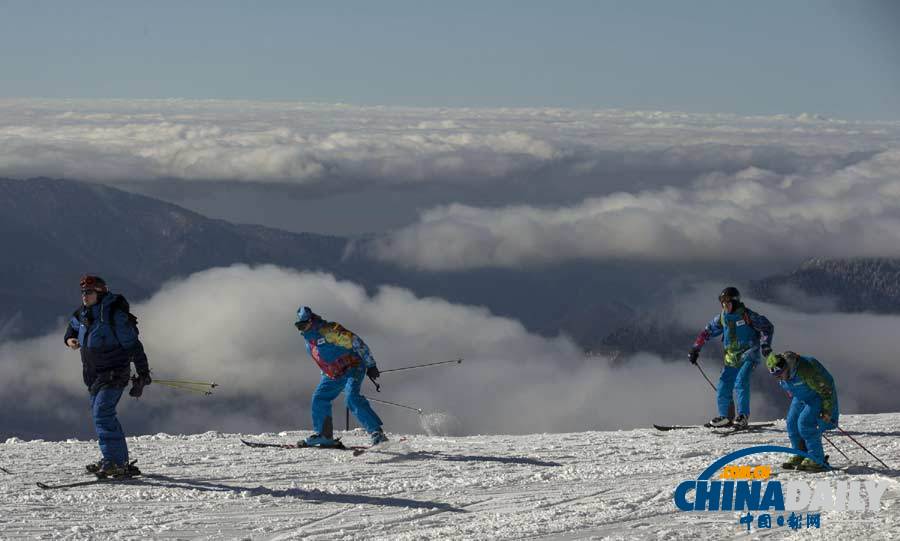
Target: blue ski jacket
x=109, y=340
x=741, y=330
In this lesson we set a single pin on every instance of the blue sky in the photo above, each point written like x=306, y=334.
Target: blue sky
x=834, y=58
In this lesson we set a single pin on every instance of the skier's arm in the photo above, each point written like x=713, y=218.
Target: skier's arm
x=712, y=329
x=71, y=331
x=763, y=326
x=128, y=337
x=361, y=349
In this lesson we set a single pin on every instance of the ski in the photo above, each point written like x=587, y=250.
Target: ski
x=666, y=428
x=357, y=449
x=339, y=447
x=76, y=484
x=755, y=427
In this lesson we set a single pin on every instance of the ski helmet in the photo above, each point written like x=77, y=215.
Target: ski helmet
x=304, y=315
x=730, y=294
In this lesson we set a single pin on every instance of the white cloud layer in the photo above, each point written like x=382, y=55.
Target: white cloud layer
x=299, y=143
x=755, y=213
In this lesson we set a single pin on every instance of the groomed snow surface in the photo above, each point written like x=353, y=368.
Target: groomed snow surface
x=591, y=485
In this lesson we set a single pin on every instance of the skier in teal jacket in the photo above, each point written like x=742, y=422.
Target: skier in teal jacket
x=814, y=405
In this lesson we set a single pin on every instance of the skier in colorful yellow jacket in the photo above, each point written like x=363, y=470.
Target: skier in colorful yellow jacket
x=345, y=361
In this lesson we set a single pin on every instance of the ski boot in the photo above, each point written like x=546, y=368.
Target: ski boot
x=811, y=466
x=94, y=467
x=109, y=469
x=741, y=422
x=377, y=437
x=318, y=440
x=719, y=422
x=131, y=470
x=792, y=464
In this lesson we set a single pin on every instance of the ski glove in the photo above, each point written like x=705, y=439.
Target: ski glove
x=373, y=373
x=693, y=355
x=138, y=383
x=826, y=416
x=765, y=349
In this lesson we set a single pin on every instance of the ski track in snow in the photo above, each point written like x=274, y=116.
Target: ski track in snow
x=591, y=485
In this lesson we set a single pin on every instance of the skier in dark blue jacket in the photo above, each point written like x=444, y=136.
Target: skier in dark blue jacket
x=106, y=333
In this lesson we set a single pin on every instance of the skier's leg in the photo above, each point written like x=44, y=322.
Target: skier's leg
x=742, y=383
x=811, y=432
x=110, y=435
x=327, y=390
x=793, y=428
x=725, y=388
x=358, y=404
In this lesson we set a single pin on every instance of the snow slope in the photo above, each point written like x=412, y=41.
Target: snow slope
x=560, y=486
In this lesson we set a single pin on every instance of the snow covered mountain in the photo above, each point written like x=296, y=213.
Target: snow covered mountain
x=616, y=485
x=844, y=285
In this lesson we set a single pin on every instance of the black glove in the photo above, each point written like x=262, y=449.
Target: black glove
x=693, y=355
x=765, y=349
x=138, y=383
x=373, y=372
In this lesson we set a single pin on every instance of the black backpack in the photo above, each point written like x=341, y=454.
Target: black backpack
x=121, y=304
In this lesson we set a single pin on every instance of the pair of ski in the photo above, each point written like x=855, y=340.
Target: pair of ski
x=356, y=449
x=720, y=431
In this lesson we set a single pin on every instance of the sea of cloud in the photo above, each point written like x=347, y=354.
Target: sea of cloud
x=301, y=143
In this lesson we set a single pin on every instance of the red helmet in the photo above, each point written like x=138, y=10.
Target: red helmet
x=93, y=282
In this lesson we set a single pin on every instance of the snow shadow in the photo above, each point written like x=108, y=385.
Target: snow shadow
x=419, y=455
x=875, y=433
x=868, y=470
x=308, y=495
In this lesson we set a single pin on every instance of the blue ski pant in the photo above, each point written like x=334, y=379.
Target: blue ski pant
x=329, y=389
x=736, y=380
x=110, y=435
x=804, y=424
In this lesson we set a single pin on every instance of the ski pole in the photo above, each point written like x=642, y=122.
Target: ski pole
x=457, y=361
x=836, y=447
x=417, y=410
x=184, y=387
x=4, y=470
x=861, y=446
x=711, y=384
x=731, y=411
x=200, y=383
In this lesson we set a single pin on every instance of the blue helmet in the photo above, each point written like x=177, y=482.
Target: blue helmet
x=304, y=314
